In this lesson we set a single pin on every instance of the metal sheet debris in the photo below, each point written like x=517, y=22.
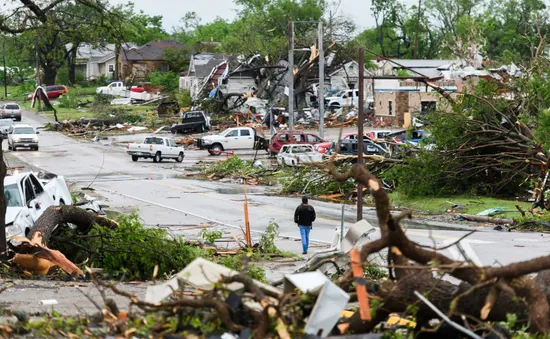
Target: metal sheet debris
x=356, y=232
x=329, y=305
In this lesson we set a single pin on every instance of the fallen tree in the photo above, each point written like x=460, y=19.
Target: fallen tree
x=498, y=287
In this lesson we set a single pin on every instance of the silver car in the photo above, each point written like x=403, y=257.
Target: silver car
x=11, y=111
x=5, y=125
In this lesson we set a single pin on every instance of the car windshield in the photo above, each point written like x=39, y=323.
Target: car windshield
x=226, y=131
x=23, y=130
x=12, y=107
x=13, y=196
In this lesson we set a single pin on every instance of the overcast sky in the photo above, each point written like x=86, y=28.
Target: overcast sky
x=208, y=10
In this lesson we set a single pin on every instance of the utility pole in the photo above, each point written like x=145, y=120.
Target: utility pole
x=291, y=75
x=360, y=133
x=38, y=82
x=5, y=70
x=320, y=89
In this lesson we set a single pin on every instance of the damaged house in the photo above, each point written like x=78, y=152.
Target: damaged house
x=137, y=62
x=97, y=61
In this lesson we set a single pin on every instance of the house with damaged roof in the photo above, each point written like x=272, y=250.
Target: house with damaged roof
x=212, y=74
x=139, y=61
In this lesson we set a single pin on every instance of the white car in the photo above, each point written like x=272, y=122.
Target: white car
x=28, y=197
x=22, y=135
x=156, y=148
x=297, y=154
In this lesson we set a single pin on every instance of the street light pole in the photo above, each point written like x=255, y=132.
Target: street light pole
x=320, y=89
x=360, y=133
x=291, y=75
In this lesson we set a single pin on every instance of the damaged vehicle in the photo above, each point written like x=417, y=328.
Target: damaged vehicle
x=156, y=148
x=297, y=154
x=28, y=197
x=196, y=121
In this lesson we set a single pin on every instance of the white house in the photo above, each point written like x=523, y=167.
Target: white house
x=97, y=61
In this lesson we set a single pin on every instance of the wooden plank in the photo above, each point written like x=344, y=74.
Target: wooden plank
x=362, y=294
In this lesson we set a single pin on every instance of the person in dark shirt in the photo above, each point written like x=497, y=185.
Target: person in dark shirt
x=304, y=216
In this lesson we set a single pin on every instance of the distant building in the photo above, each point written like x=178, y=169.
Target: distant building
x=140, y=61
x=95, y=61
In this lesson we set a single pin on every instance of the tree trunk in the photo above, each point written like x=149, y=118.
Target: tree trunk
x=56, y=215
x=117, y=64
x=50, y=73
x=72, y=66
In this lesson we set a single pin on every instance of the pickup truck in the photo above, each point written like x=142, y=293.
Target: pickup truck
x=115, y=88
x=234, y=138
x=297, y=154
x=343, y=98
x=156, y=148
x=192, y=121
x=28, y=197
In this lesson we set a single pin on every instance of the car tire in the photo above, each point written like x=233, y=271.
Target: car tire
x=201, y=129
x=216, y=149
x=13, y=148
x=157, y=157
x=36, y=148
x=135, y=158
x=180, y=157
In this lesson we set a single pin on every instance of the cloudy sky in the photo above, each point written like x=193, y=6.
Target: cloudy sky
x=172, y=11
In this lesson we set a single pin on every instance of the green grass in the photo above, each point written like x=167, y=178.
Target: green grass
x=81, y=94
x=473, y=205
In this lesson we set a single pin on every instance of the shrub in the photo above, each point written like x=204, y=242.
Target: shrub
x=169, y=80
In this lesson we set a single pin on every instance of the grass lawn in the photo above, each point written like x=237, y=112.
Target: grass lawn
x=473, y=205
x=80, y=95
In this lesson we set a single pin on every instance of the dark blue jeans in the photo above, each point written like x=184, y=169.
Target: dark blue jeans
x=304, y=233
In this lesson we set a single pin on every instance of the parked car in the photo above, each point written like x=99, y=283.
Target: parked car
x=414, y=137
x=5, y=125
x=349, y=147
x=192, y=121
x=11, y=111
x=382, y=134
x=53, y=92
x=296, y=137
x=22, y=135
x=298, y=154
x=28, y=197
x=343, y=98
x=232, y=139
x=114, y=88
x=156, y=148
x=322, y=147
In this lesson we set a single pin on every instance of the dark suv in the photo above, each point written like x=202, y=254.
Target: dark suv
x=349, y=147
x=196, y=121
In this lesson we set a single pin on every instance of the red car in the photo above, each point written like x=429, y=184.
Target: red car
x=283, y=138
x=53, y=92
x=322, y=147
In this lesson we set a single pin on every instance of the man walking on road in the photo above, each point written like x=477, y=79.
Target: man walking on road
x=304, y=217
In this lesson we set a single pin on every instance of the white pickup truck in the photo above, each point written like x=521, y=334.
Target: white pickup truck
x=156, y=148
x=28, y=197
x=298, y=154
x=234, y=138
x=115, y=88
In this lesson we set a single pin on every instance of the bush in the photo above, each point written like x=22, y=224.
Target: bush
x=183, y=98
x=169, y=80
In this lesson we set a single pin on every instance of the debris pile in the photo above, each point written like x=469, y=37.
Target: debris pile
x=89, y=127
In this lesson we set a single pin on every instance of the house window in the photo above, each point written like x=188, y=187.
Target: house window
x=111, y=68
x=427, y=107
x=164, y=68
x=390, y=107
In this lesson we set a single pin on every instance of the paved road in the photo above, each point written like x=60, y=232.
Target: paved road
x=182, y=204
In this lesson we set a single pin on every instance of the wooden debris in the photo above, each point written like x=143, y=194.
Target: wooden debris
x=361, y=288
